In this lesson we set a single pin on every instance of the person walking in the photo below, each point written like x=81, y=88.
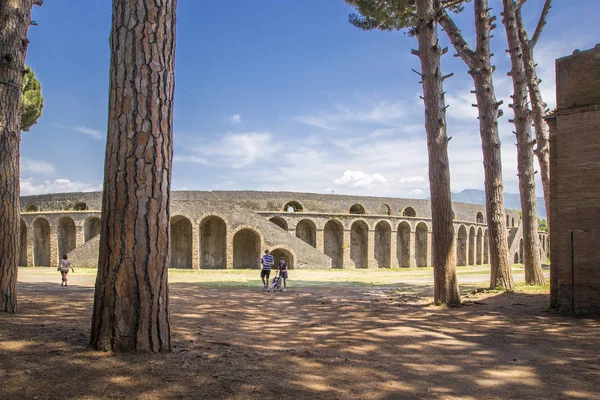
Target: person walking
x=267, y=262
x=283, y=271
x=64, y=267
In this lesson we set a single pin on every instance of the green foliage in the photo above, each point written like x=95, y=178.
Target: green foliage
x=32, y=101
x=392, y=15
x=542, y=225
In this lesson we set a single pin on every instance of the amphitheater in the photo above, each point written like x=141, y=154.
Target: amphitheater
x=231, y=229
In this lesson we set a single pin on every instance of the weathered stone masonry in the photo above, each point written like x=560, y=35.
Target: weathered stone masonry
x=212, y=230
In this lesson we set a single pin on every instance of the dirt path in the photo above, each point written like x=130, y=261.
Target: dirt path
x=309, y=343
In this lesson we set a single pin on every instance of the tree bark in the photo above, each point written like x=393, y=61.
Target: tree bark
x=538, y=107
x=15, y=18
x=522, y=121
x=131, y=304
x=481, y=71
x=444, y=261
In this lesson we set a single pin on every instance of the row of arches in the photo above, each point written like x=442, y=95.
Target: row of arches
x=66, y=239
x=80, y=206
x=472, y=248
x=356, y=209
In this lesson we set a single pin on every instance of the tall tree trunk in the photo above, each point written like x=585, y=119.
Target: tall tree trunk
x=131, y=304
x=481, y=70
x=15, y=18
x=444, y=261
x=538, y=107
x=533, y=267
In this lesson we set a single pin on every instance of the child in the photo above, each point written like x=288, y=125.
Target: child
x=283, y=271
x=64, y=269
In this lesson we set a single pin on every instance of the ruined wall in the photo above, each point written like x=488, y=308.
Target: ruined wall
x=575, y=183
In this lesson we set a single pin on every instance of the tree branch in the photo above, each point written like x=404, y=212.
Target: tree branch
x=519, y=4
x=455, y=36
x=541, y=23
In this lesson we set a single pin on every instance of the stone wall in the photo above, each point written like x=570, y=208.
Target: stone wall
x=232, y=229
x=575, y=184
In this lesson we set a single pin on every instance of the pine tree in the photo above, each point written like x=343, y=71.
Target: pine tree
x=32, y=101
x=131, y=304
x=15, y=19
x=419, y=17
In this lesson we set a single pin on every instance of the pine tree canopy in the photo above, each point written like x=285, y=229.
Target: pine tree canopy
x=32, y=101
x=392, y=15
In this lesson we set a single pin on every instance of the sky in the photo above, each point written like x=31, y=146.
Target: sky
x=280, y=95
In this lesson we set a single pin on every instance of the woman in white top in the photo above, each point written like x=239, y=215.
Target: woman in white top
x=64, y=267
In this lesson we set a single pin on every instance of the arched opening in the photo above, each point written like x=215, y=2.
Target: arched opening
x=403, y=245
x=385, y=210
x=81, y=206
x=334, y=241
x=409, y=212
x=507, y=221
x=246, y=249
x=516, y=260
x=471, y=246
x=213, y=243
x=278, y=253
x=306, y=230
x=91, y=228
x=32, y=208
x=41, y=243
x=280, y=222
x=486, y=248
x=383, y=238
x=359, y=244
x=513, y=222
x=292, y=206
x=461, y=246
x=421, y=238
x=181, y=242
x=479, y=247
x=479, y=218
x=23, y=244
x=357, y=209
x=521, y=251
x=66, y=236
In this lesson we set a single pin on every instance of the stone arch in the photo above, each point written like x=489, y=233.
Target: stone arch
x=246, y=249
x=486, y=247
x=306, y=230
x=280, y=222
x=403, y=245
x=479, y=247
x=471, y=260
x=359, y=244
x=507, y=221
x=383, y=245
x=385, y=209
x=41, y=242
x=357, y=209
x=479, y=217
x=66, y=236
x=516, y=258
x=91, y=228
x=279, y=252
x=213, y=243
x=513, y=222
x=23, y=244
x=334, y=242
x=421, y=239
x=32, y=208
x=81, y=206
x=293, y=206
x=521, y=251
x=409, y=212
x=181, y=242
x=461, y=246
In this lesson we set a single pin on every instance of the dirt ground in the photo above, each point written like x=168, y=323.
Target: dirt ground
x=341, y=342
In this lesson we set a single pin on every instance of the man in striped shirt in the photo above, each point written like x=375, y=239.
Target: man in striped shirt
x=267, y=261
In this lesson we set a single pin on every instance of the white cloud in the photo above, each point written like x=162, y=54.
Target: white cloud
x=62, y=185
x=31, y=166
x=236, y=119
x=95, y=134
x=360, y=179
x=190, y=159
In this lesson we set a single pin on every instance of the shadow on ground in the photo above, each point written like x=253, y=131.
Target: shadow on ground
x=308, y=343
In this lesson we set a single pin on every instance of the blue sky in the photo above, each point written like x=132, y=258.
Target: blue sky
x=278, y=95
